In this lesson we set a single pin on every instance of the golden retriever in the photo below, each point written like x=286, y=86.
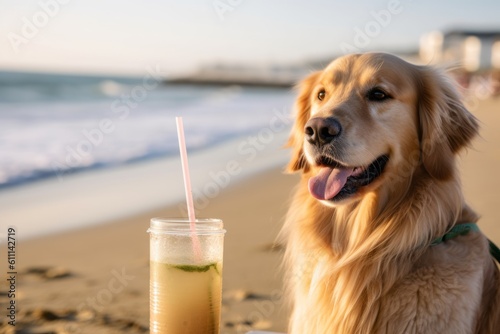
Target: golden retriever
x=375, y=140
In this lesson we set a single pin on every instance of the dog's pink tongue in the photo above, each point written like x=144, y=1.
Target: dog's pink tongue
x=328, y=182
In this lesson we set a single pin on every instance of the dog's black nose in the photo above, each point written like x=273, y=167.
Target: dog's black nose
x=320, y=131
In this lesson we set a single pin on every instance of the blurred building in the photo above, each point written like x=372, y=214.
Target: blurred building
x=475, y=51
x=473, y=56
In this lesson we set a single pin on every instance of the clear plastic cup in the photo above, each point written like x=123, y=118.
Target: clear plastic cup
x=185, y=287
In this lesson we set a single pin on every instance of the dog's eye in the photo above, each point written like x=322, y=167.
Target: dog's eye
x=321, y=95
x=377, y=94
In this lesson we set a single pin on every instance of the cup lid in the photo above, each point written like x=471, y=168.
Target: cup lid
x=182, y=226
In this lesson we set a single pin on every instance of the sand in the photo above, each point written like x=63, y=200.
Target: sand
x=95, y=280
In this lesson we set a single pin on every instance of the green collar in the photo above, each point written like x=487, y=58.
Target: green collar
x=459, y=229
x=463, y=229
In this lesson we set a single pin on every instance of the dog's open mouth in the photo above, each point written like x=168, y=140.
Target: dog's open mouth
x=335, y=182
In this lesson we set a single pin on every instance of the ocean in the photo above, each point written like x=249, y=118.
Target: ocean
x=53, y=125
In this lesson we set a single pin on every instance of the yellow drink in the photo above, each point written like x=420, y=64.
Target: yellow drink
x=185, y=298
x=185, y=283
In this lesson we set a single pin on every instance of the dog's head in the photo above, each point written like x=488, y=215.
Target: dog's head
x=370, y=119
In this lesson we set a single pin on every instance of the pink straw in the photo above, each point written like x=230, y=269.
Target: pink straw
x=187, y=187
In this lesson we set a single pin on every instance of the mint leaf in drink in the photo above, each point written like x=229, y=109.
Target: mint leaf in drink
x=193, y=268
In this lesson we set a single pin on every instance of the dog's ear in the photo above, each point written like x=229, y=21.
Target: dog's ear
x=446, y=125
x=302, y=112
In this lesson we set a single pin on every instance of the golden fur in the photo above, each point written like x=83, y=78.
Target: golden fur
x=365, y=264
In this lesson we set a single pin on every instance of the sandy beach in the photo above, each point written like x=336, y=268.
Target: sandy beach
x=96, y=279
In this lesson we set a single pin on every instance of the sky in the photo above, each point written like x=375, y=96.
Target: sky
x=127, y=37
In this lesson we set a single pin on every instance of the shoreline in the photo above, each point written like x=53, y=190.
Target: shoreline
x=98, y=196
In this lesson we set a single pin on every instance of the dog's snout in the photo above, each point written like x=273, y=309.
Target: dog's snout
x=320, y=131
